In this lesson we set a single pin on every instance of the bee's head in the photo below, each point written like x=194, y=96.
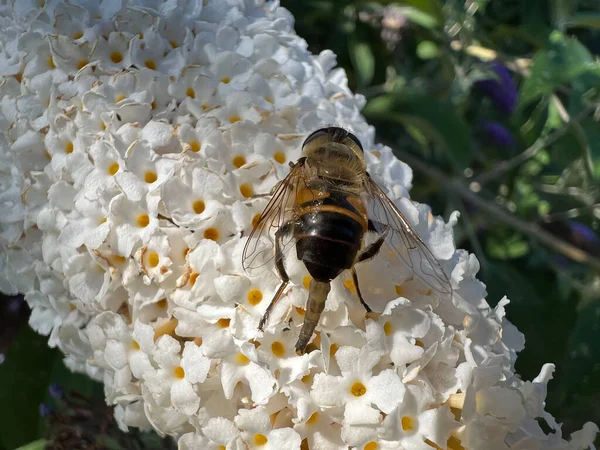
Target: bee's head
x=330, y=138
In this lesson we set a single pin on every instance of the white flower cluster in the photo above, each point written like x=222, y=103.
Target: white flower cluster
x=133, y=134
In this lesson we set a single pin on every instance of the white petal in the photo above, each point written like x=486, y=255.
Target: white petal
x=184, y=397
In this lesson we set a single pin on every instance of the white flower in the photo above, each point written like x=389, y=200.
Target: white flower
x=257, y=432
x=177, y=377
x=357, y=389
x=411, y=424
x=218, y=433
x=134, y=135
x=243, y=366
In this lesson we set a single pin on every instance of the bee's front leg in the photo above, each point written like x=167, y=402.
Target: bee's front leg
x=267, y=194
x=285, y=279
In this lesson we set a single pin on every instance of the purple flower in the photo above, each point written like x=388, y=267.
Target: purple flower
x=498, y=134
x=56, y=391
x=501, y=90
x=45, y=409
x=583, y=236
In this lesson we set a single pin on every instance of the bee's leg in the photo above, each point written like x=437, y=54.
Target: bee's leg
x=360, y=297
x=267, y=194
x=366, y=254
x=374, y=248
x=285, y=279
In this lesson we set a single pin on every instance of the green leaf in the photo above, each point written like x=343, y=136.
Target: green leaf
x=36, y=445
x=419, y=17
x=30, y=367
x=581, y=369
x=24, y=377
x=501, y=248
x=561, y=9
x=564, y=60
x=437, y=120
x=432, y=8
x=585, y=19
x=591, y=130
x=362, y=58
x=427, y=50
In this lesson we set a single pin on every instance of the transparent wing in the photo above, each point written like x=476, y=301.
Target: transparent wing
x=402, y=242
x=259, y=251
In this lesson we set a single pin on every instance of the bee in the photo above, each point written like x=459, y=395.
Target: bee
x=327, y=206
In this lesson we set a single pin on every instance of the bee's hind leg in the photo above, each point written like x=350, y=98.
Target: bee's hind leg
x=285, y=279
x=374, y=248
x=365, y=255
x=360, y=297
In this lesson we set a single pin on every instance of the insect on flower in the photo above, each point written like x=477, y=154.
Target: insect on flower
x=337, y=217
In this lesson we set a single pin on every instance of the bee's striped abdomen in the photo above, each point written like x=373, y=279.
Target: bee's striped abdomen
x=329, y=230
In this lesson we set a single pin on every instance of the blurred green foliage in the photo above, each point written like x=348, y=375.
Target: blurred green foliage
x=498, y=100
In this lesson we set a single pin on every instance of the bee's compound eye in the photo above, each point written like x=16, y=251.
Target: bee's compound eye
x=316, y=134
x=355, y=140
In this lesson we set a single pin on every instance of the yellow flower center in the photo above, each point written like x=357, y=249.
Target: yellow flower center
x=279, y=157
x=234, y=119
x=69, y=147
x=255, y=297
x=195, y=146
x=162, y=303
x=246, y=190
x=350, y=285
x=190, y=93
x=150, y=64
x=241, y=359
x=312, y=419
x=278, y=349
x=173, y=44
x=82, y=63
x=193, y=277
x=333, y=350
x=387, y=328
x=239, y=161
x=260, y=439
x=116, y=57
x=51, y=63
x=408, y=423
x=225, y=80
x=113, y=168
x=119, y=97
x=77, y=35
x=223, y=323
x=167, y=327
x=358, y=389
x=150, y=177
x=117, y=258
x=211, y=233
x=135, y=345
x=179, y=372
x=153, y=104
x=143, y=220
x=372, y=446
x=198, y=206
x=153, y=259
